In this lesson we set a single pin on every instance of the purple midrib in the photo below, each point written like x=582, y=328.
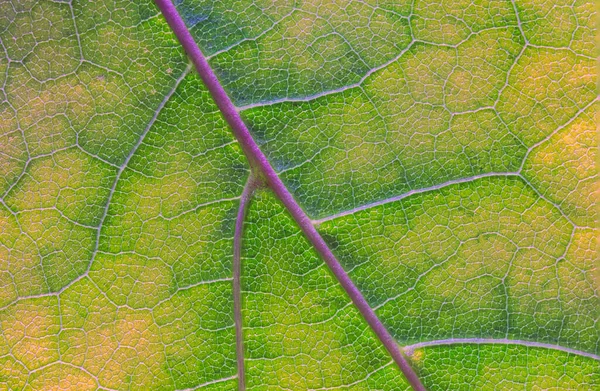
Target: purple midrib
x=260, y=165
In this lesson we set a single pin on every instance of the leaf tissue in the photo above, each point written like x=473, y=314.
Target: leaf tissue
x=298, y=195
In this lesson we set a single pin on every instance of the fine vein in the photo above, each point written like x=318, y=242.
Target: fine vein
x=261, y=165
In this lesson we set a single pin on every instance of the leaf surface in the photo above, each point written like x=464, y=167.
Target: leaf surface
x=443, y=151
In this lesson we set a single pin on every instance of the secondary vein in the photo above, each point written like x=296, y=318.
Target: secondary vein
x=502, y=341
x=413, y=192
x=237, y=274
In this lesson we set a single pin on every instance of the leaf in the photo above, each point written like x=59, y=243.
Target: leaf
x=371, y=196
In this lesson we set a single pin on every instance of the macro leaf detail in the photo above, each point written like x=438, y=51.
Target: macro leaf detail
x=364, y=195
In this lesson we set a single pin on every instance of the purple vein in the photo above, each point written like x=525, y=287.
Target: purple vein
x=237, y=274
x=503, y=341
x=413, y=192
x=259, y=162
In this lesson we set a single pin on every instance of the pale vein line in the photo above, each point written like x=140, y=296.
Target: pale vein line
x=126, y=163
x=197, y=207
x=208, y=383
x=309, y=98
x=237, y=273
x=261, y=165
x=413, y=192
x=501, y=341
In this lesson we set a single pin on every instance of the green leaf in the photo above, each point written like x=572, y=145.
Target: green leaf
x=373, y=195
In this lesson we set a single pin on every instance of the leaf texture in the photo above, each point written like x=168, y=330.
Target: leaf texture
x=440, y=154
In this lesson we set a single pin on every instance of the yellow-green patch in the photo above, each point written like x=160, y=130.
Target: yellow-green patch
x=121, y=347
x=30, y=332
x=49, y=250
x=13, y=149
x=132, y=280
x=69, y=181
x=564, y=168
x=546, y=88
x=563, y=24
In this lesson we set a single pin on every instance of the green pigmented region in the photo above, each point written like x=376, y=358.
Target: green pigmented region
x=196, y=329
x=483, y=259
x=504, y=367
x=329, y=157
x=191, y=152
x=217, y=25
x=226, y=385
x=300, y=329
